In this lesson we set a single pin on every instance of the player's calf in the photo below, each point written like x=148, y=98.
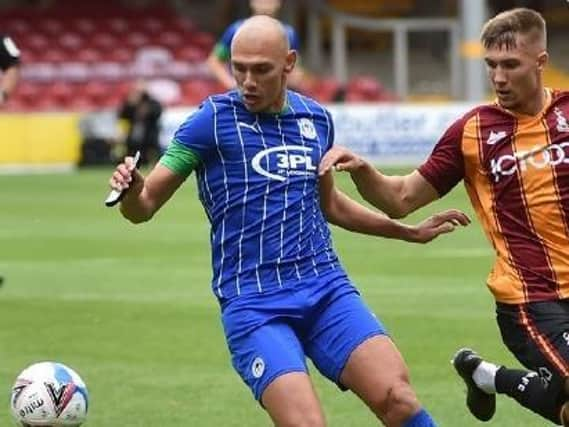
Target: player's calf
x=401, y=408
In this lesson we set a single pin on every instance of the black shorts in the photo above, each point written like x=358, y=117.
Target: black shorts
x=538, y=335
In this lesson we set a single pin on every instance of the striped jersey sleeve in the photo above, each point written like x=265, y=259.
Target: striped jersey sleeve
x=197, y=132
x=444, y=168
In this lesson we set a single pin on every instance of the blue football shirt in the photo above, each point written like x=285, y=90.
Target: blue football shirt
x=258, y=183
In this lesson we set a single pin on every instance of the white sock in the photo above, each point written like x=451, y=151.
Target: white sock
x=484, y=377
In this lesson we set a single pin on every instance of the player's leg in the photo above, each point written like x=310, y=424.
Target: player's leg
x=376, y=372
x=536, y=335
x=270, y=360
x=291, y=401
x=349, y=345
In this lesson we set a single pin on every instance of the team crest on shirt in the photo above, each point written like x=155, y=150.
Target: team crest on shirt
x=307, y=128
x=258, y=367
x=562, y=125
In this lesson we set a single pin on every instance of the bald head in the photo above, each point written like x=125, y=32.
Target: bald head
x=261, y=34
x=261, y=61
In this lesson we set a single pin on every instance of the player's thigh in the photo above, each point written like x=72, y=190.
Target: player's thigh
x=537, y=334
x=341, y=324
x=377, y=373
x=266, y=353
x=291, y=400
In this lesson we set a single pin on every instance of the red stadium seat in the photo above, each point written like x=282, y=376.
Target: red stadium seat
x=118, y=26
x=150, y=25
x=54, y=56
x=84, y=26
x=120, y=54
x=71, y=41
x=27, y=92
x=88, y=55
x=190, y=54
x=170, y=39
x=74, y=71
x=39, y=71
x=203, y=40
x=51, y=26
x=136, y=39
x=36, y=42
x=18, y=28
x=103, y=41
x=61, y=92
x=108, y=71
x=153, y=54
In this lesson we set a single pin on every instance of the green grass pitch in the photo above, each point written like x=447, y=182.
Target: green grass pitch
x=130, y=308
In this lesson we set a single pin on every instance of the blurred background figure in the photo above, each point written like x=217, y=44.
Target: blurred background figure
x=9, y=63
x=218, y=60
x=142, y=115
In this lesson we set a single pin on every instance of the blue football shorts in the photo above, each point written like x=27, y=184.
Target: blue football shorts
x=271, y=334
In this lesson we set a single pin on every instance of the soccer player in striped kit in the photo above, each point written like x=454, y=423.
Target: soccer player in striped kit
x=513, y=156
x=283, y=293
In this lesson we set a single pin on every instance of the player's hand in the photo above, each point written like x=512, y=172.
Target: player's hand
x=125, y=176
x=441, y=223
x=340, y=159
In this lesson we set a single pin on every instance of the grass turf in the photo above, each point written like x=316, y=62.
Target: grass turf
x=130, y=308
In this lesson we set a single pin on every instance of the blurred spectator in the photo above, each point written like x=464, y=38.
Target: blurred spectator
x=142, y=113
x=219, y=58
x=9, y=63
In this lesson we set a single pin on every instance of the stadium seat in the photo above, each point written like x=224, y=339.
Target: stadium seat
x=83, y=26
x=103, y=41
x=74, y=71
x=39, y=71
x=88, y=56
x=190, y=54
x=108, y=71
x=51, y=27
x=120, y=54
x=60, y=92
x=70, y=41
x=153, y=54
x=136, y=39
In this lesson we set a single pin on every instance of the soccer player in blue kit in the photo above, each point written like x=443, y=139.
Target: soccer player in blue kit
x=283, y=293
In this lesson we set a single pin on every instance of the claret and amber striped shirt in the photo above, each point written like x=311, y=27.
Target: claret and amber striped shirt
x=516, y=172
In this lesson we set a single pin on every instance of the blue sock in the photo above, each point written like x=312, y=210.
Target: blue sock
x=420, y=419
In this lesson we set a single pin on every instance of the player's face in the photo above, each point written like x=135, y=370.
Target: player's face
x=261, y=78
x=515, y=74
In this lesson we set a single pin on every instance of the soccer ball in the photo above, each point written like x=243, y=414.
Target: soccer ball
x=49, y=394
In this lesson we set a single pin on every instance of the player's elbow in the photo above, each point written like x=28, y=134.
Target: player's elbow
x=136, y=216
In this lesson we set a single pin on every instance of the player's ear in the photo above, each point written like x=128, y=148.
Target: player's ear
x=542, y=60
x=290, y=61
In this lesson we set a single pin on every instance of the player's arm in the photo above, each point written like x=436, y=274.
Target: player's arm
x=397, y=196
x=11, y=69
x=219, y=58
x=9, y=81
x=344, y=212
x=146, y=194
x=400, y=195
x=219, y=69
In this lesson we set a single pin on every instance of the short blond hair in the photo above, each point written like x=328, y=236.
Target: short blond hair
x=501, y=30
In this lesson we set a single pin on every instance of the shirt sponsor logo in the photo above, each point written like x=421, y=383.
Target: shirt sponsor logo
x=283, y=162
x=539, y=158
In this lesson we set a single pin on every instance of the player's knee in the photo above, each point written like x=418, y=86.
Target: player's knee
x=303, y=418
x=398, y=405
